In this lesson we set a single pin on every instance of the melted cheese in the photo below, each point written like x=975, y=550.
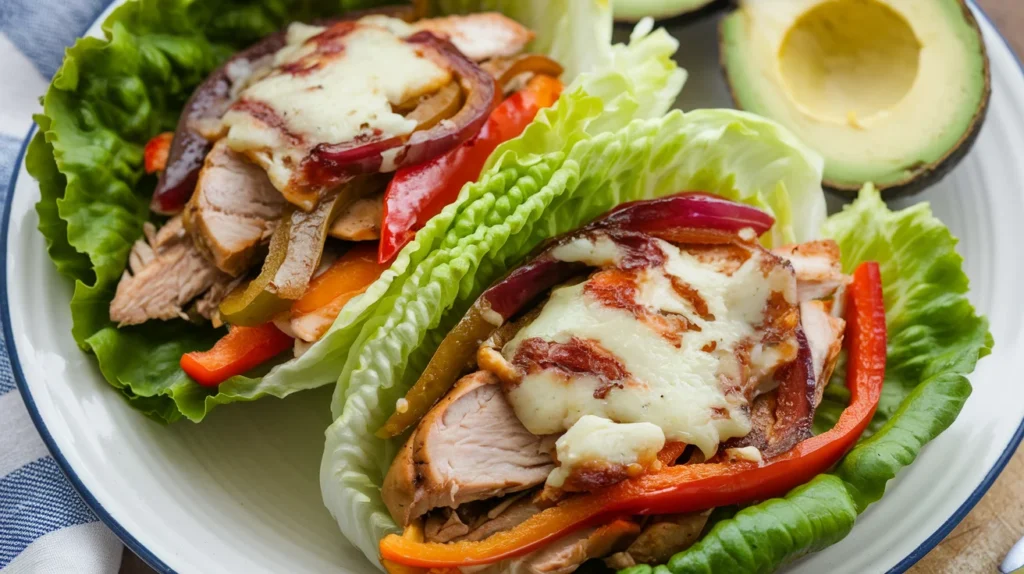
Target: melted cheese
x=745, y=453
x=599, y=252
x=676, y=388
x=597, y=439
x=347, y=93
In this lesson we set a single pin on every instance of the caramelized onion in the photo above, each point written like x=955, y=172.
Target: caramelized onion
x=507, y=69
x=337, y=162
x=783, y=417
x=438, y=106
x=295, y=251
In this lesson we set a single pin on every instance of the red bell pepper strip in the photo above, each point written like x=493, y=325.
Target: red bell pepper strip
x=155, y=153
x=694, y=487
x=242, y=349
x=420, y=192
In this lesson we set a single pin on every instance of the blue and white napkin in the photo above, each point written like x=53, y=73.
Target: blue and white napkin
x=44, y=525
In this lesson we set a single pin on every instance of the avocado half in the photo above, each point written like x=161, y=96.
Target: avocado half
x=634, y=10
x=892, y=92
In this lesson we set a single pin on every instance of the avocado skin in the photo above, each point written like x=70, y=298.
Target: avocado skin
x=926, y=175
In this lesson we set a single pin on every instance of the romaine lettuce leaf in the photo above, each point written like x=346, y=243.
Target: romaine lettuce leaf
x=935, y=339
x=109, y=97
x=530, y=195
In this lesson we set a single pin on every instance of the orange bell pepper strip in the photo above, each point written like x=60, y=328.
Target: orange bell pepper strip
x=330, y=291
x=419, y=192
x=347, y=277
x=670, y=452
x=695, y=487
x=154, y=155
x=242, y=349
x=413, y=532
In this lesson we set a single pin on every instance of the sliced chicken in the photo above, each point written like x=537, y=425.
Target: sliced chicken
x=818, y=270
x=469, y=447
x=165, y=273
x=565, y=555
x=445, y=526
x=480, y=36
x=825, y=337
x=361, y=220
x=479, y=520
x=309, y=327
x=661, y=539
x=208, y=306
x=503, y=518
x=771, y=432
x=233, y=211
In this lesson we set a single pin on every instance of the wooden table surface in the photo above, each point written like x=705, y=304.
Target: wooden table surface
x=979, y=543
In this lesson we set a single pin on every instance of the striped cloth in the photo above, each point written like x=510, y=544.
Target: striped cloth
x=44, y=525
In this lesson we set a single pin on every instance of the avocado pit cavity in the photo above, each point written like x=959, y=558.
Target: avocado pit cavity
x=848, y=61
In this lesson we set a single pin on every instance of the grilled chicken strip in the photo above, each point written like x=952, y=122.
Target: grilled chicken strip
x=165, y=273
x=566, y=554
x=480, y=36
x=825, y=336
x=479, y=520
x=661, y=539
x=470, y=446
x=233, y=210
x=819, y=272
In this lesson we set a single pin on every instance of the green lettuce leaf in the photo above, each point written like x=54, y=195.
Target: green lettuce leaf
x=111, y=95
x=532, y=194
x=935, y=340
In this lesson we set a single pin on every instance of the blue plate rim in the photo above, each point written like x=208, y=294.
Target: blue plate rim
x=21, y=382
x=160, y=566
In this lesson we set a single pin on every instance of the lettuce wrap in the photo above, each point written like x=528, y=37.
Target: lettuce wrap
x=112, y=94
x=935, y=336
x=729, y=153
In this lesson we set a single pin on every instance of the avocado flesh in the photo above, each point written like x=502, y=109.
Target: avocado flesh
x=888, y=91
x=633, y=10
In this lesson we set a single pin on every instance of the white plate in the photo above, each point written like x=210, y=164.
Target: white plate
x=239, y=493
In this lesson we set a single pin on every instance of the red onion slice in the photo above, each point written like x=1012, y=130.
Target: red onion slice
x=208, y=102
x=328, y=161
x=687, y=210
x=527, y=282
x=689, y=217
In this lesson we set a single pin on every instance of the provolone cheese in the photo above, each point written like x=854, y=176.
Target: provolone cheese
x=594, y=439
x=330, y=86
x=689, y=387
